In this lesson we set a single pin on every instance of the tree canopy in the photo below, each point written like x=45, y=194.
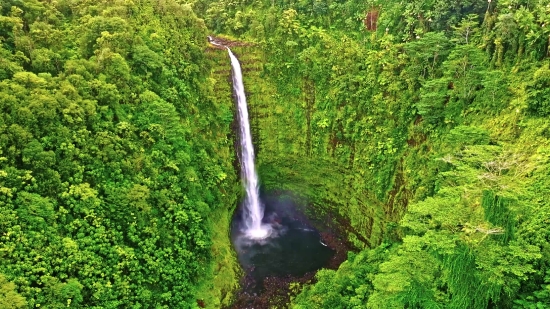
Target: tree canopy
x=114, y=156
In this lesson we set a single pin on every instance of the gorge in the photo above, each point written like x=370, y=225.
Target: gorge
x=273, y=240
x=412, y=136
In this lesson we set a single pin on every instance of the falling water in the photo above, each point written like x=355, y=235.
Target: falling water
x=253, y=208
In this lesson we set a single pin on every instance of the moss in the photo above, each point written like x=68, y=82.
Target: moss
x=221, y=279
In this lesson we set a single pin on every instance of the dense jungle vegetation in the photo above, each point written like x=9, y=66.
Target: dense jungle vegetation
x=421, y=127
x=116, y=175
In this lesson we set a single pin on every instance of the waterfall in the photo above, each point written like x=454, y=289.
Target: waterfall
x=253, y=211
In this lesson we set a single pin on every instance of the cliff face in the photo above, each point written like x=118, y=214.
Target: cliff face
x=303, y=149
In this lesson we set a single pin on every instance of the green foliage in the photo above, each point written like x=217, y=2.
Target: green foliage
x=497, y=212
x=538, y=92
x=349, y=287
x=9, y=298
x=427, y=132
x=108, y=180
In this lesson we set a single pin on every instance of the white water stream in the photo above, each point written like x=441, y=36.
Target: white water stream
x=253, y=211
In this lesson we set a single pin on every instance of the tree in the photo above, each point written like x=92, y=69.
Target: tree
x=9, y=298
x=538, y=91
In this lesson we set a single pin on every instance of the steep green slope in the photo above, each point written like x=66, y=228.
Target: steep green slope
x=116, y=176
x=422, y=125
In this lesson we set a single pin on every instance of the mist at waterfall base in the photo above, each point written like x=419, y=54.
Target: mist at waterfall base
x=293, y=247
